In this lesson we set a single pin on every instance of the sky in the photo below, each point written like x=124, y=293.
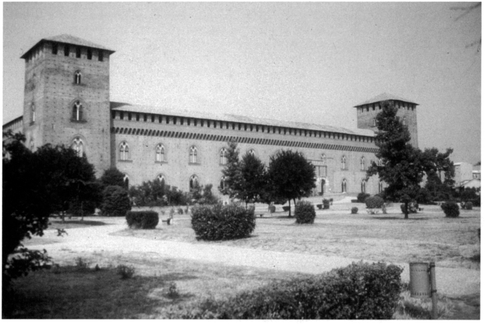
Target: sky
x=306, y=62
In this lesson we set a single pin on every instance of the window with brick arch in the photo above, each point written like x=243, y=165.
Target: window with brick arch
x=223, y=183
x=344, y=185
x=223, y=156
x=124, y=150
x=161, y=178
x=78, y=146
x=126, y=181
x=193, y=155
x=77, y=111
x=193, y=182
x=77, y=77
x=363, y=186
x=160, y=153
x=252, y=152
x=362, y=164
x=343, y=162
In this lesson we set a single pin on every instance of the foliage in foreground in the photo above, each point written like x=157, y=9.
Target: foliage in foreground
x=222, y=222
x=359, y=291
x=144, y=219
x=304, y=212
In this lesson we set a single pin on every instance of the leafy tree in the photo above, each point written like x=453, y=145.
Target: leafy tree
x=149, y=193
x=115, y=201
x=232, y=173
x=253, y=178
x=112, y=177
x=290, y=176
x=437, y=166
x=35, y=185
x=402, y=165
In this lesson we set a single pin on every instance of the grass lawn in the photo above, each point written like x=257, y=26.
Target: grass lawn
x=427, y=236
x=71, y=292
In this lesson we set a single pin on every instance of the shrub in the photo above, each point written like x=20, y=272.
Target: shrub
x=220, y=222
x=359, y=291
x=374, y=202
x=180, y=211
x=469, y=205
x=304, y=212
x=115, y=201
x=451, y=209
x=413, y=207
x=173, y=291
x=354, y=210
x=145, y=219
x=361, y=197
x=126, y=272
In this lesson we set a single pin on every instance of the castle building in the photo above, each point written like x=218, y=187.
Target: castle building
x=67, y=102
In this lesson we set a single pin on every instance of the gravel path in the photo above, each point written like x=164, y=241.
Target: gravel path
x=451, y=282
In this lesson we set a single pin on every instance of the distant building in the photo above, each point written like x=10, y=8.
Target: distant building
x=467, y=175
x=67, y=101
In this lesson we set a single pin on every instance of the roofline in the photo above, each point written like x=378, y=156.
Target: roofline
x=54, y=41
x=372, y=102
x=16, y=119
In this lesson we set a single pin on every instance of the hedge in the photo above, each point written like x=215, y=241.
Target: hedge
x=145, y=219
x=220, y=222
x=359, y=291
x=451, y=209
x=115, y=201
x=304, y=212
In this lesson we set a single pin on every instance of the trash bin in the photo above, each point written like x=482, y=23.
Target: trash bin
x=419, y=284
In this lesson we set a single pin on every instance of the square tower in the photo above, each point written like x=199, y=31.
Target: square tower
x=368, y=110
x=66, y=97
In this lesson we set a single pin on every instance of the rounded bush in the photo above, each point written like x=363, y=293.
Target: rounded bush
x=469, y=205
x=451, y=209
x=374, y=202
x=362, y=196
x=145, y=219
x=115, y=201
x=220, y=222
x=354, y=210
x=304, y=212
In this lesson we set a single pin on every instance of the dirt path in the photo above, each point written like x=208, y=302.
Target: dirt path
x=82, y=242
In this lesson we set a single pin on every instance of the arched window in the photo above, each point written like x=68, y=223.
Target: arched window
x=252, y=152
x=193, y=182
x=124, y=151
x=126, y=180
x=32, y=112
x=77, y=77
x=362, y=163
x=344, y=185
x=193, y=155
x=223, y=183
x=363, y=185
x=78, y=146
x=77, y=111
x=160, y=153
x=161, y=178
x=343, y=161
x=223, y=156
x=324, y=159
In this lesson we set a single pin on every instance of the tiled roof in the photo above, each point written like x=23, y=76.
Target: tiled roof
x=117, y=106
x=384, y=97
x=68, y=39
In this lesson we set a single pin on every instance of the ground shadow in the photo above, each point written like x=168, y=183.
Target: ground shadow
x=398, y=218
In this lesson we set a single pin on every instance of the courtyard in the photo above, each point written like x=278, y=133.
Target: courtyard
x=278, y=249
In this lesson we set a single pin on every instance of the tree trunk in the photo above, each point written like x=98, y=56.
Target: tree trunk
x=406, y=212
x=289, y=208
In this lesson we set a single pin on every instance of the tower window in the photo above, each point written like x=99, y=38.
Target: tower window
x=193, y=155
x=66, y=50
x=160, y=153
x=252, y=152
x=54, y=49
x=77, y=77
x=100, y=56
x=223, y=156
x=362, y=163
x=343, y=161
x=78, y=52
x=161, y=178
x=223, y=183
x=193, y=182
x=90, y=54
x=344, y=185
x=77, y=111
x=78, y=146
x=363, y=185
x=124, y=151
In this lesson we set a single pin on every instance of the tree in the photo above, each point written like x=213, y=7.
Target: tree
x=115, y=201
x=401, y=164
x=113, y=177
x=253, y=178
x=290, y=176
x=232, y=173
x=440, y=173
x=35, y=185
